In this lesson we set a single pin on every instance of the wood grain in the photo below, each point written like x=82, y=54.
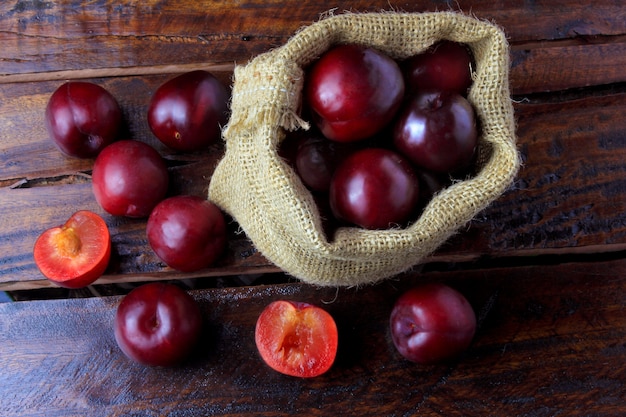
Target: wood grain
x=551, y=332
x=560, y=203
x=550, y=342
x=52, y=41
x=52, y=36
x=572, y=64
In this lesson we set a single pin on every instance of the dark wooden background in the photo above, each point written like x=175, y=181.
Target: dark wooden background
x=544, y=266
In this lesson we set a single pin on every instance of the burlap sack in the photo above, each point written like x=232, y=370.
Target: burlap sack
x=272, y=206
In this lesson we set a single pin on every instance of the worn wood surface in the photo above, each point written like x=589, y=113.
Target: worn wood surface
x=567, y=198
x=545, y=346
x=551, y=334
x=569, y=195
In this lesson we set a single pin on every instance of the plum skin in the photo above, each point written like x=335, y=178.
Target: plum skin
x=437, y=131
x=158, y=324
x=445, y=66
x=317, y=158
x=187, y=112
x=82, y=118
x=432, y=323
x=374, y=188
x=129, y=178
x=353, y=92
x=187, y=232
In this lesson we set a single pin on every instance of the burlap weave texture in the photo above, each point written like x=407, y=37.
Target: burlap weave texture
x=265, y=196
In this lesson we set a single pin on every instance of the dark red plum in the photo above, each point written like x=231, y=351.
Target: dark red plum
x=374, y=188
x=353, y=92
x=437, y=131
x=82, y=118
x=187, y=232
x=445, y=66
x=129, y=178
x=432, y=323
x=187, y=112
x=158, y=324
x=317, y=158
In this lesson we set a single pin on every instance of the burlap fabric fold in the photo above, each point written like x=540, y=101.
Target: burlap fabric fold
x=272, y=206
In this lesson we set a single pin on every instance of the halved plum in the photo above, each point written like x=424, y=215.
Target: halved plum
x=296, y=338
x=75, y=254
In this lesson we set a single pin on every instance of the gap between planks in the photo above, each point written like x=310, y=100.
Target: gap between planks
x=530, y=255
x=114, y=72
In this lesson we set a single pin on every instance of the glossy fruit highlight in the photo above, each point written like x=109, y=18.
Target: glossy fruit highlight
x=432, y=323
x=82, y=118
x=187, y=112
x=187, y=232
x=75, y=254
x=374, y=188
x=353, y=92
x=437, y=131
x=129, y=178
x=158, y=324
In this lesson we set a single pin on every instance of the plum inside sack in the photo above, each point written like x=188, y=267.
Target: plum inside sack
x=265, y=196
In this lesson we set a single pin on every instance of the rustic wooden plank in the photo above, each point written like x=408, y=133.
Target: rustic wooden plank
x=26, y=152
x=561, y=202
x=26, y=212
x=535, y=67
x=550, y=342
x=563, y=65
x=25, y=149
x=93, y=73
x=50, y=36
x=550, y=338
x=568, y=198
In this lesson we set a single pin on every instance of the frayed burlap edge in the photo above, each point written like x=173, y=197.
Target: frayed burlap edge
x=265, y=196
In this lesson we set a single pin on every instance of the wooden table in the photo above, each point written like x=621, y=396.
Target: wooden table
x=544, y=266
